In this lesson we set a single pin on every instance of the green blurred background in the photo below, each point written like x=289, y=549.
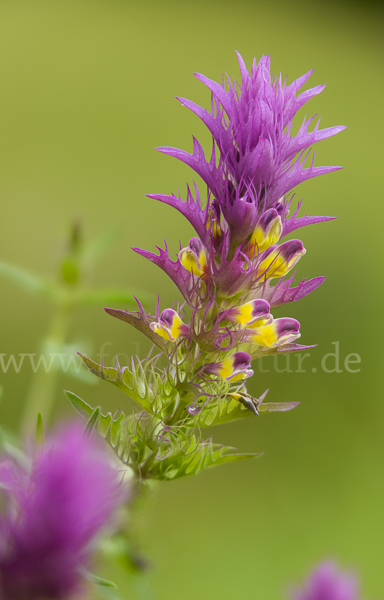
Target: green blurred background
x=86, y=94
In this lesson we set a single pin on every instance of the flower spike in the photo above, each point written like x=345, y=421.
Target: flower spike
x=231, y=274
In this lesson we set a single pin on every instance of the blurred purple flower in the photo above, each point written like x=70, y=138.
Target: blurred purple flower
x=327, y=582
x=53, y=515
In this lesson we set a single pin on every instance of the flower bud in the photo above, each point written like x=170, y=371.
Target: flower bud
x=266, y=233
x=213, y=222
x=246, y=400
x=193, y=257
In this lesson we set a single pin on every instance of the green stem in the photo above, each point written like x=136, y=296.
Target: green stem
x=177, y=414
x=172, y=420
x=147, y=464
x=42, y=390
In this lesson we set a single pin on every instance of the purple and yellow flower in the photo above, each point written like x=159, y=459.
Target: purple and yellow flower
x=250, y=314
x=280, y=331
x=328, y=582
x=170, y=326
x=232, y=368
x=53, y=515
x=281, y=259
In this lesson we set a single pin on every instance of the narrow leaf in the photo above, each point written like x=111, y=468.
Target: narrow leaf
x=105, y=297
x=133, y=384
x=98, y=580
x=82, y=407
x=39, y=435
x=277, y=406
x=26, y=280
x=108, y=426
x=140, y=321
x=193, y=458
x=221, y=411
x=92, y=422
x=96, y=248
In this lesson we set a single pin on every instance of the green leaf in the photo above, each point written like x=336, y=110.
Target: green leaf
x=227, y=408
x=117, y=430
x=192, y=456
x=277, y=406
x=155, y=397
x=105, y=297
x=107, y=592
x=175, y=452
x=96, y=248
x=26, y=280
x=82, y=407
x=107, y=425
x=98, y=580
x=39, y=435
x=9, y=445
x=125, y=380
x=221, y=411
x=140, y=321
x=92, y=422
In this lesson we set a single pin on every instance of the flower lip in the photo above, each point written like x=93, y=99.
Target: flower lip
x=290, y=249
x=267, y=218
x=195, y=245
x=168, y=316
